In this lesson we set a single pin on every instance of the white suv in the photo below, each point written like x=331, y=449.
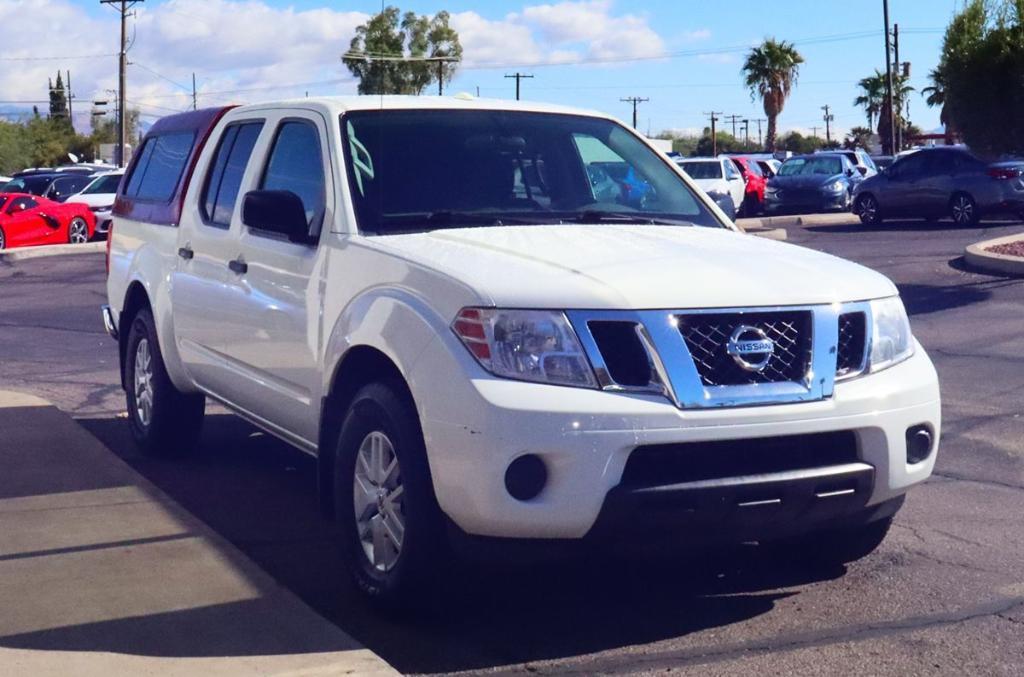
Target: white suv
x=434, y=298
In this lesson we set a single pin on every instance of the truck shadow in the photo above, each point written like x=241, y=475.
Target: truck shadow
x=259, y=494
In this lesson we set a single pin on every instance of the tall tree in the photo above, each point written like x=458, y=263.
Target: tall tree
x=58, y=100
x=981, y=72
x=935, y=96
x=771, y=71
x=858, y=137
x=901, y=89
x=403, y=54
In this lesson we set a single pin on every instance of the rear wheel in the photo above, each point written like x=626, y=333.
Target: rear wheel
x=78, y=231
x=3, y=239
x=868, y=210
x=392, y=535
x=963, y=210
x=163, y=420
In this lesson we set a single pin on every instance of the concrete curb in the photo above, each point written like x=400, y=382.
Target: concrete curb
x=51, y=250
x=104, y=574
x=991, y=262
x=795, y=220
x=768, y=233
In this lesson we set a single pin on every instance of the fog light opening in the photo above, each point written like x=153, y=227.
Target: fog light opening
x=920, y=441
x=526, y=477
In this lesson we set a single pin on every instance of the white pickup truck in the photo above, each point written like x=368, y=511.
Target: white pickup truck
x=477, y=336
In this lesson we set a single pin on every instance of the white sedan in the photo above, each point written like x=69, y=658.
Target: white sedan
x=99, y=195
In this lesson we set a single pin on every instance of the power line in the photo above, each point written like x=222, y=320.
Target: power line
x=162, y=77
x=56, y=58
x=733, y=119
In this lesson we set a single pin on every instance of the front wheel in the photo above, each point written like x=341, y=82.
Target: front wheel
x=3, y=240
x=868, y=210
x=78, y=231
x=391, y=526
x=163, y=420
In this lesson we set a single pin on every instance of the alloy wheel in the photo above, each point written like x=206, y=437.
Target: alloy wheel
x=869, y=209
x=78, y=231
x=3, y=242
x=377, y=497
x=963, y=209
x=143, y=383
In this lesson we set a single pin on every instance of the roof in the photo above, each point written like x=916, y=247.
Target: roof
x=336, y=105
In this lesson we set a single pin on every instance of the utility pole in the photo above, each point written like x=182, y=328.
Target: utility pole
x=733, y=119
x=760, y=139
x=122, y=7
x=828, y=123
x=746, y=132
x=888, y=81
x=714, y=134
x=635, y=100
x=815, y=130
x=518, y=77
x=69, y=97
x=195, y=98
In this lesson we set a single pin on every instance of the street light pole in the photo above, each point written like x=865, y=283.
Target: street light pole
x=888, y=81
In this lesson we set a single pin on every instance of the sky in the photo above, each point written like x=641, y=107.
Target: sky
x=683, y=55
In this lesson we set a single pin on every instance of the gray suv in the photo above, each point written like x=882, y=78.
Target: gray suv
x=937, y=182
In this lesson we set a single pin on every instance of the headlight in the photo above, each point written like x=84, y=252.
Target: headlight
x=528, y=345
x=835, y=187
x=98, y=210
x=891, y=340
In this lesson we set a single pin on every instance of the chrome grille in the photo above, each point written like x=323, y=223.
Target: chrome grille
x=852, y=344
x=707, y=336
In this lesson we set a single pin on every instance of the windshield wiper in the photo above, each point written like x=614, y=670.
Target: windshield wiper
x=598, y=216
x=446, y=218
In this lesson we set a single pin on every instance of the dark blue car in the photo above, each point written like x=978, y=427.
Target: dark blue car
x=822, y=182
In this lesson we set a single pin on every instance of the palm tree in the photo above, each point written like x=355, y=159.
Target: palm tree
x=901, y=89
x=935, y=95
x=770, y=72
x=872, y=96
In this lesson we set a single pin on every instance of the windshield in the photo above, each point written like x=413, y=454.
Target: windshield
x=36, y=185
x=702, y=170
x=799, y=166
x=103, y=185
x=414, y=170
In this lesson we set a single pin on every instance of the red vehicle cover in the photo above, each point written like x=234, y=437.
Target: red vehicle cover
x=28, y=220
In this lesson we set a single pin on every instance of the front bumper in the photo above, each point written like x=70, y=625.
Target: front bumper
x=818, y=202
x=585, y=438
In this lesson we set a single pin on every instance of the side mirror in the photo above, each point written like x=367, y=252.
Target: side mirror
x=276, y=211
x=849, y=172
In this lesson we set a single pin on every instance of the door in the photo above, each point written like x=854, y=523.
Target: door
x=209, y=231
x=275, y=345
x=902, y=185
x=737, y=187
x=932, y=191
x=25, y=225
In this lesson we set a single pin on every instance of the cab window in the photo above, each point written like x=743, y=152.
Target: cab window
x=296, y=165
x=224, y=180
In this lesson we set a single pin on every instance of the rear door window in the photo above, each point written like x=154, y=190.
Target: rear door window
x=224, y=180
x=160, y=166
x=296, y=164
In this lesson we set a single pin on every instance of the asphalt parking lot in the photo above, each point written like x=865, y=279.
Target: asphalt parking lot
x=943, y=595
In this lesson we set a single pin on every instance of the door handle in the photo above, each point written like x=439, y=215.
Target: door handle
x=238, y=267
x=186, y=253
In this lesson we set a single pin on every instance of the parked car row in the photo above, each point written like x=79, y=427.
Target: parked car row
x=32, y=201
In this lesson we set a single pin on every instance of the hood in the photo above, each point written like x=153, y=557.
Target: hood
x=93, y=199
x=804, y=181
x=616, y=267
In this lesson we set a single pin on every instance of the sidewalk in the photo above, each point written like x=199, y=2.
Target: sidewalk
x=101, y=574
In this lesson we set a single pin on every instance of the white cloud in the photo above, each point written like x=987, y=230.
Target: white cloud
x=235, y=45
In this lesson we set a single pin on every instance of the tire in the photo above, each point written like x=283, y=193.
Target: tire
x=840, y=546
x=163, y=420
x=391, y=526
x=963, y=210
x=868, y=209
x=78, y=231
x=3, y=240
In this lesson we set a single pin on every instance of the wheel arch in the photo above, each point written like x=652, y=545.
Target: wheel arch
x=358, y=367
x=135, y=299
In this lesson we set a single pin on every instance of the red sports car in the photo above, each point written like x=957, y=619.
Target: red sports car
x=27, y=220
x=753, y=202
